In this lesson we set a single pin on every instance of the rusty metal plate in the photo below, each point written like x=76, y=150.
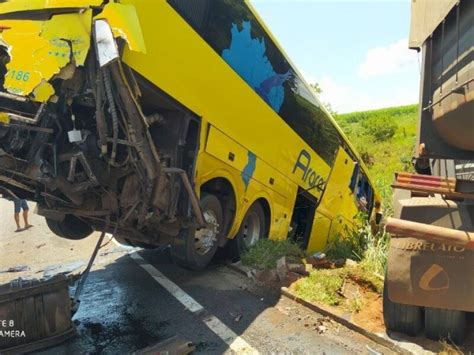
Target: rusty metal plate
x=34, y=314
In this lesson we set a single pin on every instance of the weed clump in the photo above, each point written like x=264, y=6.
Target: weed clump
x=265, y=253
x=362, y=245
x=322, y=286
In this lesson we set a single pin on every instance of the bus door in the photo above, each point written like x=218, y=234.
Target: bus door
x=337, y=207
x=302, y=218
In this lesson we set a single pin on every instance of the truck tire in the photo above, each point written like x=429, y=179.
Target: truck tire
x=402, y=318
x=70, y=227
x=252, y=229
x=445, y=324
x=194, y=248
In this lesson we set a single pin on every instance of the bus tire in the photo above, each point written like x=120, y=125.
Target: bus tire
x=194, y=248
x=252, y=229
x=445, y=324
x=401, y=318
x=70, y=227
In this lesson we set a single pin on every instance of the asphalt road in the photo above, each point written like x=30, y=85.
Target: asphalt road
x=134, y=299
x=125, y=309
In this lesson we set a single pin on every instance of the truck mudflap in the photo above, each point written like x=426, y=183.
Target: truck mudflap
x=35, y=314
x=430, y=274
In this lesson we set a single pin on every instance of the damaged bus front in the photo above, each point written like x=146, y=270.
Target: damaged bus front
x=178, y=122
x=76, y=133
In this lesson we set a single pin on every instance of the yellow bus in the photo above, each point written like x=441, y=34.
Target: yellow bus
x=177, y=122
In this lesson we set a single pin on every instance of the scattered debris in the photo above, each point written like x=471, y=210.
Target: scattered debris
x=112, y=251
x=236, y=316
x=318, y=261
x=350, y=290
x=319, y=255
x=338, y=263
x=19, y=268
x=352, y=263
x=171, y=346
x=281, y=268
x=292, y=277
x=321, y=329
x=301, y=269
x=266, y=276
x=372, y=351
x=320, y=325
x=65, y=269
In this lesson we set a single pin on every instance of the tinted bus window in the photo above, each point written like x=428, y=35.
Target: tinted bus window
x=231, y=29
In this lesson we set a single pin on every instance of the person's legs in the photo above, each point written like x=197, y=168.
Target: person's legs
x=17, y=214
x=24, y=206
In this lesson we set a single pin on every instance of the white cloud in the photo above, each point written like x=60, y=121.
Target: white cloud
x=344, y=98
x=388, y=60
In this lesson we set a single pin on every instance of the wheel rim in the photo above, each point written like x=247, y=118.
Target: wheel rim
x=206, y=238
x=251, y=229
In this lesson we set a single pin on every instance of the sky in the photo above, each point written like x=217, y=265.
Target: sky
x=356, y=50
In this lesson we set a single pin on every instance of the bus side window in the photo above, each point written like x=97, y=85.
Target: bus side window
x=362, y=189
x=364, y=193
x=355, y=177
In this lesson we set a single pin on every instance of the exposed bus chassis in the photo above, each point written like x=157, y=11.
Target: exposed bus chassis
x=100, y=148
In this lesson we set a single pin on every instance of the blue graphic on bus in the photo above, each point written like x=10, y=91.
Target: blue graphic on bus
x=247, y=57
x=249, y=169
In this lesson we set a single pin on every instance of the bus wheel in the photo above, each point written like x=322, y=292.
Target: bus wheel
x=253, y=228
x=70, y=227
x=402, y=318
x=445, y=324
x=194, y=248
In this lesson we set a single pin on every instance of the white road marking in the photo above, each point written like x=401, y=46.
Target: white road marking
x=235, y=342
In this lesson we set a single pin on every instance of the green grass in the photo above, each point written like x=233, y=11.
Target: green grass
x=383, y=157
x=322, y=286
x=265, y=253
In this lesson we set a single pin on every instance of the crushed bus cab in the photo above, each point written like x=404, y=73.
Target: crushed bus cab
x=170, y=122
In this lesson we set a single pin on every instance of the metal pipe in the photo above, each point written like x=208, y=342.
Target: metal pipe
x=409, y=229
x=34, y=120
x=99, y=114
x=85, y=274
x=192, y=195
x=113, y=112
x=19, y=98
x=453, y=90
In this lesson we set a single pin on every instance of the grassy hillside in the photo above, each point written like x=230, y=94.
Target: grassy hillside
x=385, y=139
